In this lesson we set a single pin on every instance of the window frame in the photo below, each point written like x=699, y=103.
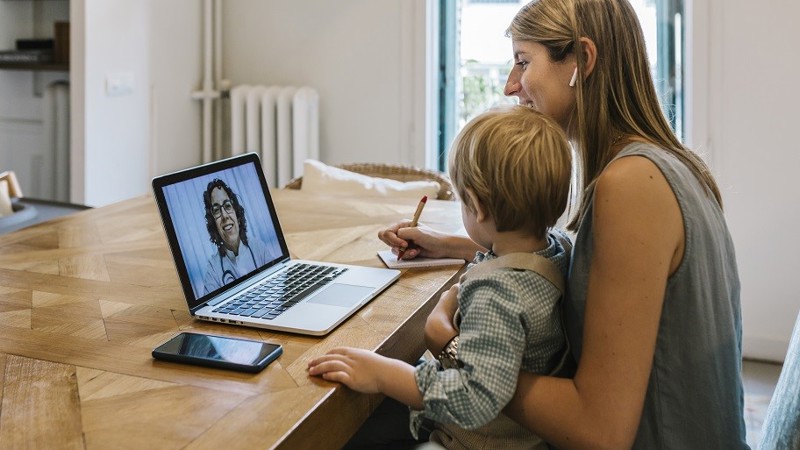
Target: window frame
x=672, y=80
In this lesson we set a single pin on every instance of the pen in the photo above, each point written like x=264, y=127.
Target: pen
x=414, y=221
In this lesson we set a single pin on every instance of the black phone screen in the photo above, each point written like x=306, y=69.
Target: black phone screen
x=218, y=351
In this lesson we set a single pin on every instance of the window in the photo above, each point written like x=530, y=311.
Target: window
x=475, y=56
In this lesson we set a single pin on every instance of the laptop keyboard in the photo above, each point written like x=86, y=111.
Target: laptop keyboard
x=271, y=298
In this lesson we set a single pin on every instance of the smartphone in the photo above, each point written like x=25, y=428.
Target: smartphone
x=221, y=352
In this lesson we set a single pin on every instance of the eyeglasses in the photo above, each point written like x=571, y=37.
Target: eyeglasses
x=216, y=210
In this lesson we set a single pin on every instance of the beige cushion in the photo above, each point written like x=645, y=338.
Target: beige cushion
x=324, y=179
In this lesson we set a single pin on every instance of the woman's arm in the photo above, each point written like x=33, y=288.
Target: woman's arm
x=638, y=243
x=428, y=242
x=439, y=328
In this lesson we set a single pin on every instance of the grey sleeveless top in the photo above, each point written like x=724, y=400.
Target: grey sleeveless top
x=694, y=395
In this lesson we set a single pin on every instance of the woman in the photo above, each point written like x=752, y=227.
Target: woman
x=652, y=311
x=237, y=254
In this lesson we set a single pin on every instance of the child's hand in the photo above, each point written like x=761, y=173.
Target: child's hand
x=368, y=372
x=360, y=370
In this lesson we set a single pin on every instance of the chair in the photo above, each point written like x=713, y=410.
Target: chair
x=781, y=428
x=394, y=172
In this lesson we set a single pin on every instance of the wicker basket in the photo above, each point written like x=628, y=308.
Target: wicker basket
x=393, y=172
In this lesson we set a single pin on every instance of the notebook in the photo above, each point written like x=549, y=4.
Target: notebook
x=390, y=260
x=233, y=262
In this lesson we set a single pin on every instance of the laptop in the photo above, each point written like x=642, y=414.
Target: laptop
x=232, y=260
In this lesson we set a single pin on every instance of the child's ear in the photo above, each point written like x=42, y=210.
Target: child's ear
x=480, y=210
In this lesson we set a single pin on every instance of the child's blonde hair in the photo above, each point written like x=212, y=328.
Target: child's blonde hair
x=518, y=163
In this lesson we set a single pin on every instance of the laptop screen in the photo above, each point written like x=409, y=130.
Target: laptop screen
x=220, y=223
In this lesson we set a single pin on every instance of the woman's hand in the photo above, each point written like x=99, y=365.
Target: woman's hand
x=427, y=242
x=439, y=327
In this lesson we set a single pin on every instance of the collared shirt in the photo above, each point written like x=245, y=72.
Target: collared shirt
x=223, y=270
x=510, y=321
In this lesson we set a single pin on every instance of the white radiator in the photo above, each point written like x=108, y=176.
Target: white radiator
x=281, y=123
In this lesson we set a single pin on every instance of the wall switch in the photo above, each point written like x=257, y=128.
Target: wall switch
x=120, y=83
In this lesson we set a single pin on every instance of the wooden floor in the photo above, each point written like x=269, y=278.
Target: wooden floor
x=759, y=383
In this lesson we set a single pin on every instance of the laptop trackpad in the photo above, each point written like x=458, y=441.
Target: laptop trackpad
x=345, y=295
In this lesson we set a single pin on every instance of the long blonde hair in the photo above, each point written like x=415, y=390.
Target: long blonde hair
x=517, y=162
x=618, y=97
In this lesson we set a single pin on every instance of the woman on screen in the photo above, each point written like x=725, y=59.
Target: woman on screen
x=236, y=255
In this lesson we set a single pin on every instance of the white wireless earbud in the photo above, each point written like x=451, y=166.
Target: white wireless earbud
x=574, y=78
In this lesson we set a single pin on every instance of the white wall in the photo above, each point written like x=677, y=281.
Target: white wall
x=121, y=141
x=366, y=58
x=746, y=121
x=175, y=65
x=113, y=157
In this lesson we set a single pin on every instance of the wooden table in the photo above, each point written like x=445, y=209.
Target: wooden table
x=85, y=298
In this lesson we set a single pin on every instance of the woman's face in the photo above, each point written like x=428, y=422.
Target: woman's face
x=225, y=218
x=540, y=83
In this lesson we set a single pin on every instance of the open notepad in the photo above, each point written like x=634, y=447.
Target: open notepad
x=390, y=259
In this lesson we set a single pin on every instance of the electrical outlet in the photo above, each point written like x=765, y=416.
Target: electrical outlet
x=118, y=84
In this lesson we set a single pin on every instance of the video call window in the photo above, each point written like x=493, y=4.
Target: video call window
x=223, y=227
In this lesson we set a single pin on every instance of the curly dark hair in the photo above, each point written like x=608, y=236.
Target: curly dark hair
x=211, y=223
